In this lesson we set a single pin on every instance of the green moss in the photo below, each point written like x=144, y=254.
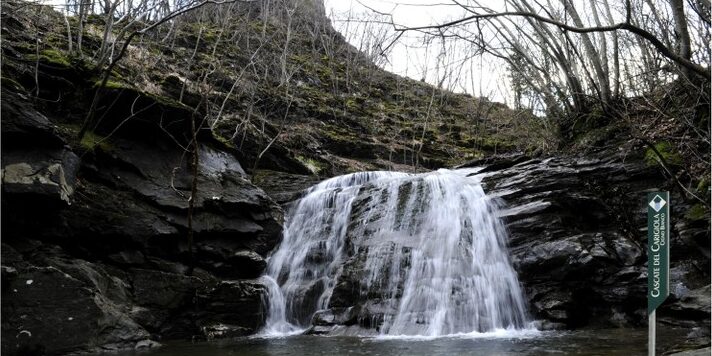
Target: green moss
x=223, y=140
x=338, y=134
x=697, y=212
x=585, y=123
x=12, y=84
x=325, y=73
x=491, y=143
x=666, y=151
x=313, y=165
x=112, y=84
x=90, y=141
x=115, y=81
x=56, y=57
x=594, y=137
x=209, y=33
x=703, y=186
x=351, y=104
x=52, y=57
x=95, y=19
x=167, y=102
x=258, y=26
x=162, y=100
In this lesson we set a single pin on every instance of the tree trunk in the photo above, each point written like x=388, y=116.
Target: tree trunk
x=661, y=24
x=616, y=63
x=193, y=193
x=682, y=33
x=603, y=45
x=83, y=10
x=554, y=43
x=592, y=54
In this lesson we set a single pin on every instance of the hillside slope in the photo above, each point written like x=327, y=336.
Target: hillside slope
x=283, y=87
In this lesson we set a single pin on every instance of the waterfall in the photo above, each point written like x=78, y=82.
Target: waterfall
x=427, y=249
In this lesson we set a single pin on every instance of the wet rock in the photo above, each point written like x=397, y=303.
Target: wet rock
x=576, y=239
x=235, y=306
x=146, y=344
x=213, y=331
x=320, y=330
x=249, y=264
x=627, y=252
x=160, y=173
x=163, y=290
x=72, y=302
x=117, y=258
x=336, y=316
x=698, y=352
x=283, y=187
x=130, y=258
x=36, y=163
x=545, y=325
x=496, y=162
x=558, y=258
x=695, y=305
x=21, y=121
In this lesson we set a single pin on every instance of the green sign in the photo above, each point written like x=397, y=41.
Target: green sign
x=658, y=249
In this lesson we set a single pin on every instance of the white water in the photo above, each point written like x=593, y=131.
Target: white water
x=435, y=254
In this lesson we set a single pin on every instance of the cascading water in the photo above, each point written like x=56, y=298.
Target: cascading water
x=432, y=251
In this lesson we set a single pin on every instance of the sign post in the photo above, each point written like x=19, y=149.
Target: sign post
x=658, y=258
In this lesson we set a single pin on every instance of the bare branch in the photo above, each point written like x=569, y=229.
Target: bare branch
x=627, y=26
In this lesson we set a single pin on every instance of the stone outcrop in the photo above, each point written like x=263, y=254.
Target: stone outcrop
x=95, y=249
x=578, y=238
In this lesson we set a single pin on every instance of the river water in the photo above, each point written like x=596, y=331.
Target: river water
x=628, y=342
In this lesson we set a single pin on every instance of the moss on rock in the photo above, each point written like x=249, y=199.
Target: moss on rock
x=313, y=165
x=666, y=151
x=52, y=57
x=697, y=212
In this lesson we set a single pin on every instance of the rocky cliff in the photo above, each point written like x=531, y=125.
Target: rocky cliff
x=95, y=253
x=578, y=240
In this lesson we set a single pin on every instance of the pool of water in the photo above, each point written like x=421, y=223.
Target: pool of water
x=626, y=342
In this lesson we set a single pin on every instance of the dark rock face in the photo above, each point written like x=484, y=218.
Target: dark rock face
x=58, y=304
x=284, y=187
x=231, y=308
x=39, y=166
x=95, y=254
x=578, y=239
